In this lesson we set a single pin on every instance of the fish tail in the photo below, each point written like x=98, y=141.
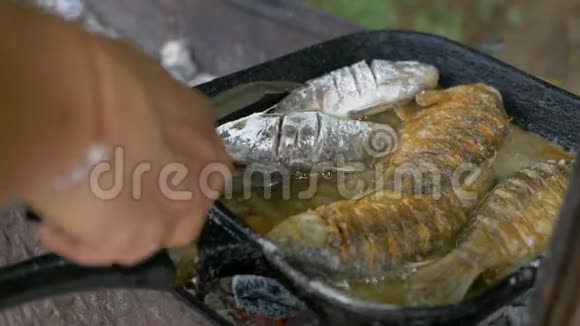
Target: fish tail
x=446, y=281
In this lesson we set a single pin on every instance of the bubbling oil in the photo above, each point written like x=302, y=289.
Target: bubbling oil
x=520, y=149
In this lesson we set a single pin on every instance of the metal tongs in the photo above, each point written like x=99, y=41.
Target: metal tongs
x=51, y=275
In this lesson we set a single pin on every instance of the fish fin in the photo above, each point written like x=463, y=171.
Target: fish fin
x=482, y=180
x=271, y=109
x=363, y=194
x=418, y=264
x=369, y=111
x=476, y=185
x=243, y=95
x=406, y=113
x=432, y=96
x=444, y=282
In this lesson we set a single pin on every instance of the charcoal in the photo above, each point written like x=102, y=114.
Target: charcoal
x=264, y=297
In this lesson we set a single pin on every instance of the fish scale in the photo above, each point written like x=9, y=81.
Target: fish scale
x=347, y=236
x=339, y=97
x=393, y=234
x=360, y=241
x=403, y=242
x=452, y=118
x=363, y=78
x=411, y=224
x=427, y=230
x=464, y=128
x=359, y=89
x=300, y=141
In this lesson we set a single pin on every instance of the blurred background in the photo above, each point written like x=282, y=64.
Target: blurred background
x=541, y=36
x=222, y=36
x=462, y=21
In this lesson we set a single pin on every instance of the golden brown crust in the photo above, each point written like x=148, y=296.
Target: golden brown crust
x=391, y=229
x=511, y=227
x=516, y=219
x=463, y=125
x=383, y=231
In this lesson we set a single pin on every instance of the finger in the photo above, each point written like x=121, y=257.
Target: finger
x=87, y=255
x=189, y=215
x=139, y=248
x=141, y=239
x=186, y=231
x=72, y=249
x=180, y=202
x=137, y=256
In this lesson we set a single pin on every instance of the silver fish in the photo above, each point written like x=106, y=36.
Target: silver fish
x=303, y=140
x=360, y=90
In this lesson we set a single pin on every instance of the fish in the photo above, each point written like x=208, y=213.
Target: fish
x=244, y=95
x=511, y=227
x=391, y=230
x=361, y=89
x=371, y=236
x=295, y=141
x=457, y=134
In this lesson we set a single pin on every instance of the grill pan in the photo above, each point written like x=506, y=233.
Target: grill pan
x=228, y=247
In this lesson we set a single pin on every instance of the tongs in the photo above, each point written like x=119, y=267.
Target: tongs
x=50, y=275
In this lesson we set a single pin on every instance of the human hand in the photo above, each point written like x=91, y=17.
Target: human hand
x=162, y=145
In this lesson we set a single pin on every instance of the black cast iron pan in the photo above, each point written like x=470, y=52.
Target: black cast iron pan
x=534, y=105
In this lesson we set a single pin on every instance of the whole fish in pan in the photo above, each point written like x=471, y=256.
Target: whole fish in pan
x=271, y=141
x=303, y=140
x=360, y=90
x=459, y=131
x=511, y=227
x=389, y=229
x=370, y=236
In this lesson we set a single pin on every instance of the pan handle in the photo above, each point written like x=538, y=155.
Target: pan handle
x=49, y=275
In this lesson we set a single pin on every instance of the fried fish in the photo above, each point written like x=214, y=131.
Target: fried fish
x=511, y=227
x=458, y=133
x=371, y=236
x=393, y=228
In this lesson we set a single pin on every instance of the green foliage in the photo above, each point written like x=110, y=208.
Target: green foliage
x=442, y=20
x=514, y=16
x=485, y=9
x=373, y=14
x=433, y=16
x=381, y=14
